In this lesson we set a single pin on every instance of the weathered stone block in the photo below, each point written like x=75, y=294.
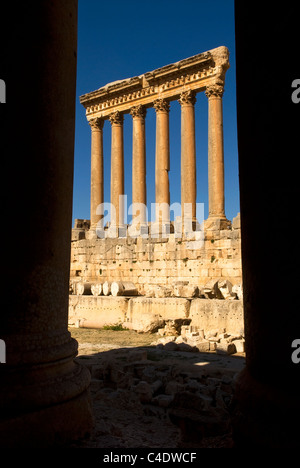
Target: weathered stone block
x=181, y=290
x=238, y=290
x=77, y=234
x=202, y=345
x=225, y=348
x=163, y=291
x=225, y=287
x=211, y=314
x=211, y=290
x=149, y=314
x=97, y=310
x=240, y=345
x=236, y=222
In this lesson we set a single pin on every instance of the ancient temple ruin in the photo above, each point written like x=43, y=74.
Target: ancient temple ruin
x=163, y=259
x=180, y=81
x=44, y=397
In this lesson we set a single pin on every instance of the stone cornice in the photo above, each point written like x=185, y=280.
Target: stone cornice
x=194, y=73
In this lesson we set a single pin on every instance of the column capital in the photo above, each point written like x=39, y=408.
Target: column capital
x=187, y=97
x=214, y=90
x=96, y=123
x=138, y=111
x=116, y=118
x=161, y=105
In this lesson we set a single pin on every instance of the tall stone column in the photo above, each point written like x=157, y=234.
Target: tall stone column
x=266, y=411
x=139, y=162
x=97, y=188
x=43, y=391
x=117, y=168
x=162, y=161
x=216, y=196
x=188, y=155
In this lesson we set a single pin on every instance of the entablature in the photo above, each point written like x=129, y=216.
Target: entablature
x=195, y=73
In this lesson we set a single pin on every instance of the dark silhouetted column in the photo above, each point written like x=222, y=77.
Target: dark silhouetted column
x=267, y=404
x=43, y=392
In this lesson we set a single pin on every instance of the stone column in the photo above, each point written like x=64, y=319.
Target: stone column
x=43, y=391
x=267, y=405
x=216, y=197
x=117, y=168
x=188, y=155
x=139, y=162
x=162, y=161
x=97, y=188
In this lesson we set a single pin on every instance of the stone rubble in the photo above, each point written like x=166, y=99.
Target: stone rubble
x=213, y=289
x=176, y=335
x=180, y=403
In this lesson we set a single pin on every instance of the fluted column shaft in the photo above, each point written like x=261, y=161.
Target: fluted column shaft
x=215, y=152
x=117, y=168
x=162, y=161
x=139, y=198
x=97, y=188
x=188, y=154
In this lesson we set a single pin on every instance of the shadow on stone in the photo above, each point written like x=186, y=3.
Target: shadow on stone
x=154, y=396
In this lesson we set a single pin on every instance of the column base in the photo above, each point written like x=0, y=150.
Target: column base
x=187, y=230
x=216, y=223
x=138, y=230
x=54, y=426
x=115, y=231
x=44, y=395
x=263, y=416
x=161, y=229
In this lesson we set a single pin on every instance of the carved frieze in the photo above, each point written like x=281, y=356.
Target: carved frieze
x=205, y=71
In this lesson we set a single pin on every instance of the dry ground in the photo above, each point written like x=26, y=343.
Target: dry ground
x=94, y=340
x=121, y=419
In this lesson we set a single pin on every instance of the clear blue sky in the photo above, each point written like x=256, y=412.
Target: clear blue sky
x=122, y=39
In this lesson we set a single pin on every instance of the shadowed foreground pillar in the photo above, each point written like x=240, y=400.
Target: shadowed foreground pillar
x=43, y=393
x=266, y=411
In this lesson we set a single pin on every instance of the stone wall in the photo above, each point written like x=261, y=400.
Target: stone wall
x=148, y=314
x=157, y=261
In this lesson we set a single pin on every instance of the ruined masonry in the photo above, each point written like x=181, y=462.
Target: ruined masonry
x=174, y=277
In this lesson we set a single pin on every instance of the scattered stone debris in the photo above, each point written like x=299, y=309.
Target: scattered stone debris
x=179, y=336
x=96, y=289
x=123, y=288
x=162, y=291
x=155, y=397
x=213, y=289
